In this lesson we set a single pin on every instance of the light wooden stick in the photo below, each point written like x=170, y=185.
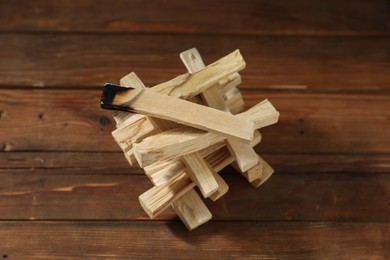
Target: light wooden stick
x=223, y=188
x=198, y=174
x=187, y=85
x=191, y=210
x=263, y=114
x=266, y=173
x=253, y=173
x=157, y=199
x=173, y=143
x=165, y=107
x=194, y=162
x=163, y=172
x=244, y=154
x=133, y=129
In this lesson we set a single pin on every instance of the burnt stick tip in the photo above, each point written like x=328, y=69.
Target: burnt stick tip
x=109, y=92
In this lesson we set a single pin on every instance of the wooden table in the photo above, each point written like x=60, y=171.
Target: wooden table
x=66, y=191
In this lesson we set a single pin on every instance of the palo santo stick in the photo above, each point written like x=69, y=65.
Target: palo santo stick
x=202, y=175
x=253, y=173
x=166, y=107
x=256, y=172
x=194, y=164
x=263, y=114
x=168, y=170
x=157, y=199
x=160, y=166
x=222, y=187
x=187, y=85
x=191, y=210
x=173, y=143
x=244, y=154
x=266, y=173
x=131, y=130
x=194, y=63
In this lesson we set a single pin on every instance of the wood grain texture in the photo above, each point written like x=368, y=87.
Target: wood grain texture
x=71, y=120
x=290, y=63
x=81, y=163
x=254, y=17
x=59, y=195
x=164, y=240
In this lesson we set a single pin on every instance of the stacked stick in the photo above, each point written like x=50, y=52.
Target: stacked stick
x=184, y=131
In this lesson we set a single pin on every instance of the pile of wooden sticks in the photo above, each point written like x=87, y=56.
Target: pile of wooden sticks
x=184, y=131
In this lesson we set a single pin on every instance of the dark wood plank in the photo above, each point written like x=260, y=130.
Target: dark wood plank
x=329, y=163
x=70, y=196
x=229, y=240
x=199, y=17
x=304, y=197
x=55, y=120
x=71, y=120
x=301, y=63
x=81, y=163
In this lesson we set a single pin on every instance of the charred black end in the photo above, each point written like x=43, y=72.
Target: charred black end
x=109, y=93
